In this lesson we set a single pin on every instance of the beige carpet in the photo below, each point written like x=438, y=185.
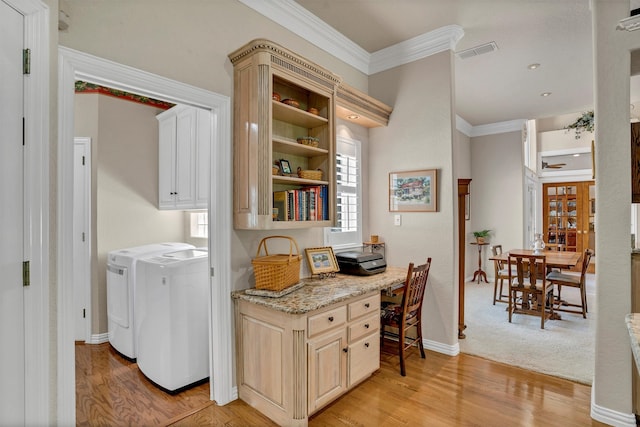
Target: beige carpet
x=564, y=348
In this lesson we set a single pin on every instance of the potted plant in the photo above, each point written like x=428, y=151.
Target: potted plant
x=481, y=235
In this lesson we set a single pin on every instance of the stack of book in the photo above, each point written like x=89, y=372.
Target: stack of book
x=303, y=204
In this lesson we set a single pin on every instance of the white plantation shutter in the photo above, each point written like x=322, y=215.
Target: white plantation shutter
x=348, y=230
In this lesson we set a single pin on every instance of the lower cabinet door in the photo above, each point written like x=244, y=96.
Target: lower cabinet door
x=327, y=368
x=364, y=358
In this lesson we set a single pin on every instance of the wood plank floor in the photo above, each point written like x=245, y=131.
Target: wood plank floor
x=111, y=391
x=437, y=391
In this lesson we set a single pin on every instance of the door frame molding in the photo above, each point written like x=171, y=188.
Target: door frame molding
x=36, y=184
x=75, y=65
x=86, y=247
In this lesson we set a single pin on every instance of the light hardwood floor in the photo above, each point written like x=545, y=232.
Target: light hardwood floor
x=437, y=391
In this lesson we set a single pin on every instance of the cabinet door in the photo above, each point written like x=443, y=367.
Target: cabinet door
x=185, y=159
x=166, y=163
x=364, y=358
x=327, y=368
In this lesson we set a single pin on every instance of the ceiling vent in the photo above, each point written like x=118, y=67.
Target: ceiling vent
x=477, y=50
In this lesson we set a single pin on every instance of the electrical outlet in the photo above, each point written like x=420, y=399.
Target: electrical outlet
x=397, y=219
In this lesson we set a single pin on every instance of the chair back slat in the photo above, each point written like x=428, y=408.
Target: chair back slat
x=532, y=267
x=586, y=259
x=414, y=288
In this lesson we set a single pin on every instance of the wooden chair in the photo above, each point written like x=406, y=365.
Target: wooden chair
x=408, y=313
x=561, y=279
x=530, y=295
x=501, y=273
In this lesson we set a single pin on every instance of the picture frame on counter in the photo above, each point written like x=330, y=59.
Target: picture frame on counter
x=322, y=261
x=413, y=191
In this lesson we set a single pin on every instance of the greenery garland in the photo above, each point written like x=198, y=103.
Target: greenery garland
x=584, y=123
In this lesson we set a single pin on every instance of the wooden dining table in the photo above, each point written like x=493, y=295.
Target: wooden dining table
x=555, y=259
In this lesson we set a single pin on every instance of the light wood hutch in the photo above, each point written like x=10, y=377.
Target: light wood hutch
x=266, y=130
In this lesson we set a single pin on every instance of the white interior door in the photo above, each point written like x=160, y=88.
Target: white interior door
x=82, y=237
x=12, y=366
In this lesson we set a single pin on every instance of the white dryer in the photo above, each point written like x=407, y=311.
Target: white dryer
x=121, y=293
x=173, y=344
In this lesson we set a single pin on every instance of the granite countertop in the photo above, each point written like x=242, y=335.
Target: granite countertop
x=633, y=324
x=315, y=293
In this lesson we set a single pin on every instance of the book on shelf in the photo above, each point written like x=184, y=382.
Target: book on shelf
x=281, y=202
x=303, y=204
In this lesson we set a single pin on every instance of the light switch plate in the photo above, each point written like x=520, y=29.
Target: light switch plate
x=397, y=219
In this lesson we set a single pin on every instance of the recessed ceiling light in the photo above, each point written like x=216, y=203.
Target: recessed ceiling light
x=533, y=66
x=576, y=155
x=545, y=94
x=353, y=117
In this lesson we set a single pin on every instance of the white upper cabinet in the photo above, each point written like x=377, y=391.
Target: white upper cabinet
x=184, y=147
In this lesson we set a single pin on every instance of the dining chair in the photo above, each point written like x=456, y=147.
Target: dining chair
x=563, y=279
x=529, y=292
x=501, y=273
x=408, y=313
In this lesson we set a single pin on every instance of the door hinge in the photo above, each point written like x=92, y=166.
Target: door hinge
x=83, y=236
x=84, y=313
x=23, y=133
x=212, y=272
x=82, y=160
x=26, y=281
x=26, y=61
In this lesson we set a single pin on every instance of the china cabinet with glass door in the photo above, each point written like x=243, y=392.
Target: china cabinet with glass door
x=569, y=216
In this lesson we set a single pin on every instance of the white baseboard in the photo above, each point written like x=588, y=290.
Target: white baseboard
x=98, y=338
x=449, y=350
x=610, y=417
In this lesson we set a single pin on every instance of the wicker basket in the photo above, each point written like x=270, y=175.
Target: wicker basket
x=276, y=272
x=308, y=140
x=310, y=174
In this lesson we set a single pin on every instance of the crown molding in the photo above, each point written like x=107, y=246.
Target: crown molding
x=416, y=48
x=464, y=126
x=303, y=23
x=499, y=127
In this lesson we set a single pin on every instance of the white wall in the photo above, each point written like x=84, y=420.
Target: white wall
x=613, y=362
x=496, y=193
x=419, y=136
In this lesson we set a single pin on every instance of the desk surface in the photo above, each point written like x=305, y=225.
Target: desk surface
x=555, y=259
x=318, y=293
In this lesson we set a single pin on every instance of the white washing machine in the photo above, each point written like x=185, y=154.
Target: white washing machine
x=173, y=344
x=121, y=292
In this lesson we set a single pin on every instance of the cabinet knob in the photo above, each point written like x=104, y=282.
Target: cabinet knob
x=366, y=325
x=367, y=305
x=345, y=350
x=330, y=318
x=366, y=344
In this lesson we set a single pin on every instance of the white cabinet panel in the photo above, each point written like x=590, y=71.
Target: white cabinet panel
x=183, y=175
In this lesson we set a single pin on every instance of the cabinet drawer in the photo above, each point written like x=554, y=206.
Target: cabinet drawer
x=364, y=358
x=364, y=326
x=364, y=306
x=327, y=320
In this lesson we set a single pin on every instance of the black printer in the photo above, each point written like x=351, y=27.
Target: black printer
x=360, y=263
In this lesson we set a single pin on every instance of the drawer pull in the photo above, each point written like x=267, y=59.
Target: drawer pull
x=346, y=350
x=366, y=344
x=367, y=305
x=330, y=318
x=366, y=325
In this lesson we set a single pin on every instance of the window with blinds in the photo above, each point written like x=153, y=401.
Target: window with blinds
x=347, y=231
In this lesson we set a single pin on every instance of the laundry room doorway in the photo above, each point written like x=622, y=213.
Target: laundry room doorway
x=79, y=66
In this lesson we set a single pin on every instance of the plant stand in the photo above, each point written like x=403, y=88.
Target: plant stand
x=479, y=274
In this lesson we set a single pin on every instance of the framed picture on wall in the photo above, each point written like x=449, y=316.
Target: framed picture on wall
x=413, y=191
